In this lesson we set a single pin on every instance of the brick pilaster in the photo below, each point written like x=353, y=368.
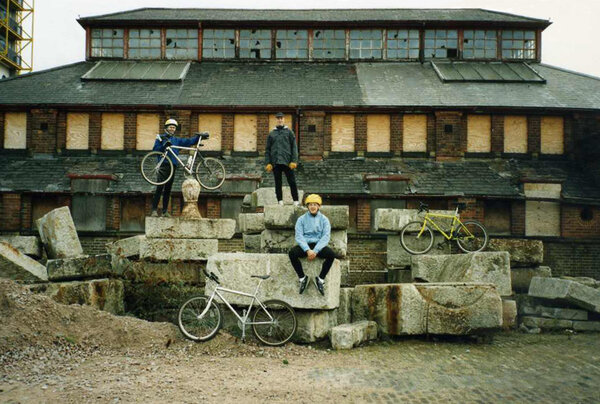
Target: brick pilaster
x=327, y=133
x=262, y=129
x=497, y=133
x=113, y=213
x=534, y=134
x=11, y=212
x=26, y=212
x=396, y=133
x=517, y=218
x=227, y=132
x=363, y=215
x=130, y=140
x=360, y=132
x=41, y=130
x=310, y=143
x=213, y=208
x=431, y=133
x=451, y=142
x=95, y=131
x=61, y=130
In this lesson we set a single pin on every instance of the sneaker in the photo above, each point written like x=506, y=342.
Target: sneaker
x=296, y=203
x=320, y=284
x=280, y=203
x=303, y=283
x=154, y=213
x=166, y=214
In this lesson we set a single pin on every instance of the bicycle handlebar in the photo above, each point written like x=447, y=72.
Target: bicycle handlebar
x=211, y=276
x=423, y=207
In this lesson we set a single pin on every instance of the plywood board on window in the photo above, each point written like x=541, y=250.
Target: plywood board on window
x=414, y=133
x=515, y=134
x=378, y=133
x=244, y=132
x=211, y=123
x=479, y=133
x=146, y=131
x=542, y=190
x=113, y=129
x=78, y=131
x=342, y=133
x=542, y=218
x=15, y=130
x=287, y=121
x=552, y=135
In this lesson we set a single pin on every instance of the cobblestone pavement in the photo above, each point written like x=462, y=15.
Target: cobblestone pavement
x=514, y=367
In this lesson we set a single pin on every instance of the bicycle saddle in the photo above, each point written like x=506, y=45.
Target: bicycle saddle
x=260, y=276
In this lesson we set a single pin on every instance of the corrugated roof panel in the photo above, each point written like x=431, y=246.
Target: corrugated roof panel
x=518, y=72
x=486, y=72
x=525, y=71
x=468, y=72
x=506, y=72
x=140, y=70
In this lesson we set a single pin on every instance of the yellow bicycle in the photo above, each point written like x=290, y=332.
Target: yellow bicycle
x=417, y=236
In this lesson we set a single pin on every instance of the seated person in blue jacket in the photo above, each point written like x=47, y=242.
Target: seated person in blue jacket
x=161, y=143
x=313, y=231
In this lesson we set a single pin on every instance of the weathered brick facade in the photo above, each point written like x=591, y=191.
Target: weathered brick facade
x=533, y=134
x=130, y=131
x=11, y=212
x=579, y=221
x=312, y=126
x=363, y=215
x=396, y=128
x=497, y=134
x=450, y=134
x=360, y=133
x=41, y=130
x=227, y=133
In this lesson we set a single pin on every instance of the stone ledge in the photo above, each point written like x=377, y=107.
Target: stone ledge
x=182, y=228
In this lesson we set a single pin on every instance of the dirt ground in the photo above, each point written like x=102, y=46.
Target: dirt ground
x=73, y=354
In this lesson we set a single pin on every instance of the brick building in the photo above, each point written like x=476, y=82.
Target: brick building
x=390, y=107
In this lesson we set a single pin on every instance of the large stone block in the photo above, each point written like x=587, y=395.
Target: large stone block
x=486, y=267
x=19, y=267
x=398, y=257
x=85, y=267
x=561, y=313
x=398, y=275
x=282, y=241
x=178, y=249
x=182, y=228
x=521, y=277
x=344, y=311
x=347, y=336
x=396, y=219
x=586, y=326
x=252, y=243
x=442, y=308
x=234, y=270
x=126, y=247
x=59, y=235
x=523, y=253
x=284, y=217
x=28, y=245
x=251, y=223
x=566, y=290
x=175, y=272
x=103, y=294
x=314, y=325
x=509, y=314
x=546, y=323
x=266, y=196
x=345, y=272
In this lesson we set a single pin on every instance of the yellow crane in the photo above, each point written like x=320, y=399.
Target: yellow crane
x=16, y=35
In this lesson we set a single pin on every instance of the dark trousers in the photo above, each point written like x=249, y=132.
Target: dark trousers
x=297, y=252
x=291, y=179
x=164, y=189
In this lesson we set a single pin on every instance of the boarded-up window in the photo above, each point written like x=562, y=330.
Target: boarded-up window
x=497, y=217
x=89, y=212
x=378, y=133
x=244, y=133
x=146, y=131
x=133, y=214
x=287, y=119
x=342, y=133
x=552, y=135
x=515, y=134
x=78, y=126
x=42, y=204
x=542, y=190
x=211, y=123
x=414, y=133
x=15, y=130
x=479, y=133
x=542, y=218
x=113, y=129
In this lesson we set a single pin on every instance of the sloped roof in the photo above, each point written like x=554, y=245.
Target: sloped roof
x=179, y=15
x=303, y=84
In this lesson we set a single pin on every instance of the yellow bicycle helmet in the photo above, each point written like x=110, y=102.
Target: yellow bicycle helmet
x=171, y=122
x=313, y=198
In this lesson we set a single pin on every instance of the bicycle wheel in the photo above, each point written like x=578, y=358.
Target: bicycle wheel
x=414, y=240
x=280, y=329
x=471, y=236
x=195, y=327
x=156, y=168
x=210, y=173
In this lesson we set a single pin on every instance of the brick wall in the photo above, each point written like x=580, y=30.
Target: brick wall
x=61, y=130
x=451, y=144
x=517, y=218
x=431, y=133
x=262, y=129
x=573, y=258
x=176, y=204
x=360, y=132
x=533, y=134
x=327, y=133
x=129, y=137
x=41, y=140
x=95, y=135
x=11, y=212
x=213, y=208
x=579, y=221
x=311, y=143
x=497, y=142
x=113, y=213
x=367, y=253
x=227, y=132
x=93, y=245
x=194, y=123
x=474, y=209
x=235, y=244
x=396, y=128
x=363, y=215
x=26, y=212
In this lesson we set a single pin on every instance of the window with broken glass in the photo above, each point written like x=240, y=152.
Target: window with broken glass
x=329, y=44
x=218, y=43
x=366, y=44
x=441, y=43
x=403, y=44
x=518, y=44
x=479, y=44
x=144, y=43
x=255, y=44
x=107, y=43
x=291, y=44
x=181, y=44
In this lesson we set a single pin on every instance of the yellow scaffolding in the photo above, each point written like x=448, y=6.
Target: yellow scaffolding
x=16, y=26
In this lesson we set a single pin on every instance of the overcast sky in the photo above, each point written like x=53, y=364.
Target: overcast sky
x=570, y=42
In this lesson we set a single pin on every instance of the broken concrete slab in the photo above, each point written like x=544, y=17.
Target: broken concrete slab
x=28, y=245
x=347, y=336
x=521, y=277
x=398, y=257
x=546, y=323
x=175, y=272
x=251, y=243
x=434, y=308
x=183, y=228
x=486, y=267
x=58, y=233
x=19, y=267
x=266, y=196
x=523, y=252
x=584, y=280
x=566, y=290
x=314, y=325
x=178, y=249
x=86, y=267
x=509, y=314
x=234, y=270
x=560, y=313
x=282, y=241
x=102, y=294
x=344, y=311
x=251, y=223
x=126, y=247
x=284, y=217
x=396, y=219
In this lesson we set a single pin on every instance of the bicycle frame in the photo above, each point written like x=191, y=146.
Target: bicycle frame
x=190, y=164
x=456, y=224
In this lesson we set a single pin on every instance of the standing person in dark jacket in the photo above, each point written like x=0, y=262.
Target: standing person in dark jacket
x=281, y=156
x=161, y=143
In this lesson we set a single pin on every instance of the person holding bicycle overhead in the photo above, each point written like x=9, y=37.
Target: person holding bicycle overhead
x=162, y=141
x=281, y=156
x=313, y=232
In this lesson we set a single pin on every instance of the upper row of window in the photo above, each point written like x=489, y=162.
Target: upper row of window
x=316, y=44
